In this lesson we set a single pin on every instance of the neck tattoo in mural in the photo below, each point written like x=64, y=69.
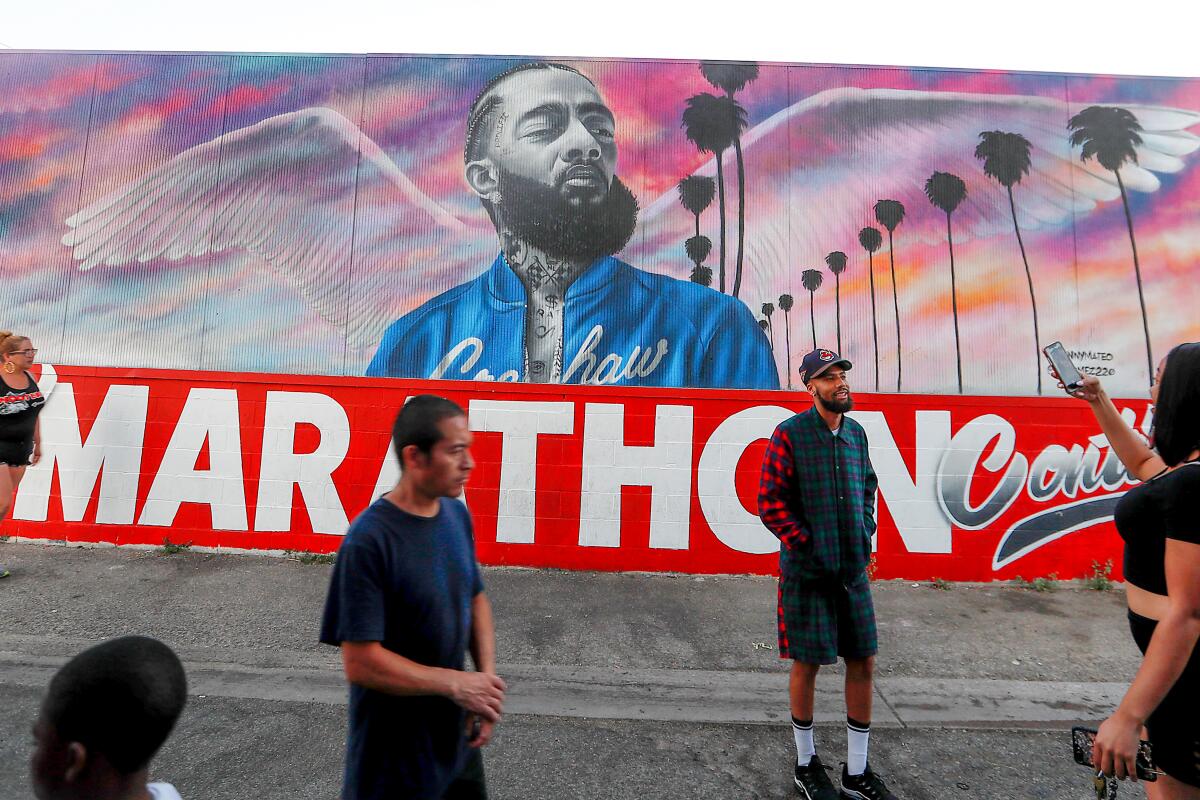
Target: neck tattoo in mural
x=545, y=278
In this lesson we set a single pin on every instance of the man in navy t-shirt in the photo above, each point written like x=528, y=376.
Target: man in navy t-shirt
x=405, y=604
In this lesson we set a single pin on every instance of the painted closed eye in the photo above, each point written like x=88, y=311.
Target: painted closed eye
x=601, y=128
x=541, y=126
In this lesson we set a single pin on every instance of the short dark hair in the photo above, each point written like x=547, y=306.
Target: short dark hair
x=1176, y=431
x=120, y=698
x=480, y=114
x=417, y=423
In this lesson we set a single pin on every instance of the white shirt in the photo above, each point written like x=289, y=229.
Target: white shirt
x=163, y=791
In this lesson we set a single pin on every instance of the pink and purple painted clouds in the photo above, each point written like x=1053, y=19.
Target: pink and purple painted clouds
x=78, y=129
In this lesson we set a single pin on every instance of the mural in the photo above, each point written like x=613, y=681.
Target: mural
x=576, y=477
x=596, y=222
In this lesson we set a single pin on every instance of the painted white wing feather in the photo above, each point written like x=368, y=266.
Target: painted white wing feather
x=287, y=189
x=847, y=148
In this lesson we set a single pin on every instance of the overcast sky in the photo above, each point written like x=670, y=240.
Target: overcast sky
x=1143, y=38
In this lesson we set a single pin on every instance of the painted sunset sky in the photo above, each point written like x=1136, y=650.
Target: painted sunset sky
x=76, y=127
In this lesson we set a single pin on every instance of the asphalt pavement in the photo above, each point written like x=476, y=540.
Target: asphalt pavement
x=620, y=685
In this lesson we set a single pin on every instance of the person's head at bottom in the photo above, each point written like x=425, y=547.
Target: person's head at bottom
x=105, y=715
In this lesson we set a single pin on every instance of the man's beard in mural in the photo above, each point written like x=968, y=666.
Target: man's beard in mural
x=552, y=220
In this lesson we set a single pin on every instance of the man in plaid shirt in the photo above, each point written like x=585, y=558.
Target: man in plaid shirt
x=818, y=496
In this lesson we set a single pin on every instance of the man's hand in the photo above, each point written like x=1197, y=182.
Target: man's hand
x=37, y=454
x=479, y=731
x=480, y=693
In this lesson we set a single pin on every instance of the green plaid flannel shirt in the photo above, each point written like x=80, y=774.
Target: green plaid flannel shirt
x=817, y=495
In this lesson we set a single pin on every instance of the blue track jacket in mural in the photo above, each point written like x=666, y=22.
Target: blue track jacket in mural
x=622, y=326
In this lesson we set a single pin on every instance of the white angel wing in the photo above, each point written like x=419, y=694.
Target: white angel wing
x=815, y=170
x=290, y=190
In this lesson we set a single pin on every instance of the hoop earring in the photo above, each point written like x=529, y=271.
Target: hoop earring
x=10, y=367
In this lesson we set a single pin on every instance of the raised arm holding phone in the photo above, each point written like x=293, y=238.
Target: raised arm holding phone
x=1160, y=523
x=1140, y=461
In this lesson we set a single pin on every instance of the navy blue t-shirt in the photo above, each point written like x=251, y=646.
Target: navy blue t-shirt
x=407, y=582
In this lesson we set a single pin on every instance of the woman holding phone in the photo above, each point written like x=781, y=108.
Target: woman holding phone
x=1160, y=522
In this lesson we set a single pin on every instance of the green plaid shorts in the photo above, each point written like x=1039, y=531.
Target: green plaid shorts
x=820, y=620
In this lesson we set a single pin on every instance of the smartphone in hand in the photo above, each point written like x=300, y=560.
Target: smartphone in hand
x=1067, y=371
x=1082, y=740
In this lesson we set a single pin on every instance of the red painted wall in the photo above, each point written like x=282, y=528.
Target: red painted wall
x=280, y=462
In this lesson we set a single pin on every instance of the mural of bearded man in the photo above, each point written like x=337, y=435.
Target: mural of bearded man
x=556, y=304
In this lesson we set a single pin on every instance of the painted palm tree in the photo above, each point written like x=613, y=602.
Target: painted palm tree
x=1005, y=158
x=768, y=309
x=731, y=78
x=1111, y=136
x=711, y=123
x=785, y=305
x=811, y=279
x=698, y=247
x=946, y=191
x=766, y=329
x=889, y=214
x=871, y=240
x=696, y=195
x=836, y=261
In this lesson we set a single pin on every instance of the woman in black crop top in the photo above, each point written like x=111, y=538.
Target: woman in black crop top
x=1160, y=523
x=20, y=403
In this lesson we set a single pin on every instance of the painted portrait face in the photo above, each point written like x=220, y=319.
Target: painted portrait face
x=546, y=162
x=554, y=127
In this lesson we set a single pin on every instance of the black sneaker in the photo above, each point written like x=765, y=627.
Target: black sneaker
x=812, y=783
x=867, y=786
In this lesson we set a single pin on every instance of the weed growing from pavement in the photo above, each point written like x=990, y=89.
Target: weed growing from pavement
x=310, y=558
x=170, y=548
x=1100, y=580
x=941, y=583
x=1047, y=584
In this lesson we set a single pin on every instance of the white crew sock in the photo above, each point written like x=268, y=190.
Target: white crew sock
x=857, y=735
x=806, y=748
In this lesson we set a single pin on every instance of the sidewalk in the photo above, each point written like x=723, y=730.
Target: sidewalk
x=601, y=646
